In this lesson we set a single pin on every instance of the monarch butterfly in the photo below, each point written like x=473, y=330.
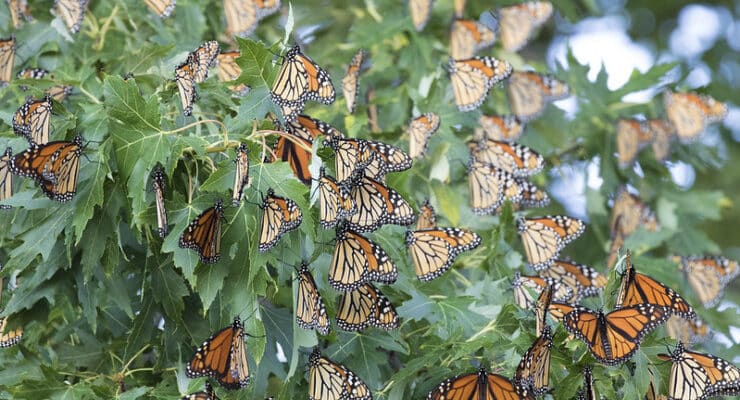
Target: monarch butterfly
x=72, y=13
x=241, y=173
x=473, y=77
x=559, y=310
x=32, y=120
x=242, y=16
x=203, y=234
x=629, y=213
x=516, y=159
x=583, y=280
x=467, y=37
x=434, y=250
x=279, y=215
x=203, y=58
x=427, y=218
x=687, y=331
x=206, y=394
x=545, y=237
x=588, y=392
x=459, y=7
x=489, y=187
x=708, y=276
x=32, y=73
x=524, y=286
x=637, y=288
x=663, y=133
x=335, y=201
x=351, y=80
x=159, y=187
x=505, y=128
x=300, y=79
x=6, y=179
x=292, y=148
x=690, y=113
x=481, y=385
x=163, y=8
x=358, y=260
x=632, y=135
x=698, y=376
x=614, y=337
x=310, y=310
x=420, y=130
x=228, y=70
x=529, y=93
x=309, y=128
x=7, y=56
x=363, y=307
x=376, y=158
x=541, y=308
x=19, y=12
x=377, y=205
x=223, y=356
x=517, y=23
x=55, y=166
x=535, y=364
x=185, y=80
x=420, y=11
x=59, y=92
x=328, y=380
x=9, y=337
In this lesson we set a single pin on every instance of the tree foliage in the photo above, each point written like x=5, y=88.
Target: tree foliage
x=107, y=305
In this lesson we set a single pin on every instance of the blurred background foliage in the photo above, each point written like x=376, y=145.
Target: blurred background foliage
x=111, y=311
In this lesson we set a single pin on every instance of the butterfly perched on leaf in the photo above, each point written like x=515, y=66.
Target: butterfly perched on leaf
x=32, y=120
x=472, y=78
x=6, y=178
x=544, y=237
x=335, y=200
x=468, y=37
x=708, y=276
x=195, y=70
x=376, y=205
x=433, y=250
x=299, y=80
x=427, y=218
x=279, y=216
x=310, y=309
x=203, y=234
x=530, y=92
x=228, y=70
x=518, y=23
x=489, y=187
x=503, y=128
x=699, y=375
x=374, y=158
x=358, y=260
x=351, y=80
x=614, y=337
x=420, y=130
x=481, y=385
x=241, y=174
x=223, y=356
x=534, y=366
x=637, y=288
x=243, y=16
x=632, y=135
x=158, y=186
x=163, y=8
x=363, y=307
x=629, y=212
x=514, y=158
x=7, y=58
x=328, y=380
x=55, y=167
x=72, y=12
x=690, y=113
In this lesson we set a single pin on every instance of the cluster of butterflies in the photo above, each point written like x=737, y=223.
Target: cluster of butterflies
x=687, y=116
x=356, y=200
